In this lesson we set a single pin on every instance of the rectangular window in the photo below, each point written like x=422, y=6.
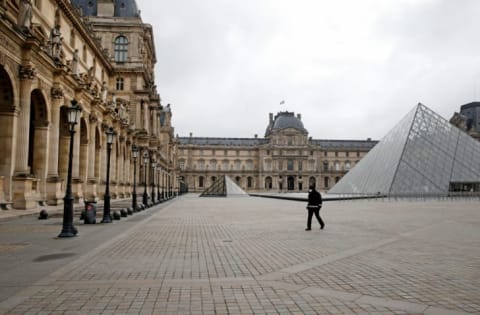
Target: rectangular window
x=290, y=165
x=280, y=165
x=300, y=165
x=325, y=166
x=119, y=84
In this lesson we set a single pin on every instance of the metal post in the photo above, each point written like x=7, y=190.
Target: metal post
x=107, y=218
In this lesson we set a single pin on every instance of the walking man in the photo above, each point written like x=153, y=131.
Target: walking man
x=313, y=206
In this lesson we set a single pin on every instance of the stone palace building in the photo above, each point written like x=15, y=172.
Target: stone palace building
x=286, y=159
x=101, y=54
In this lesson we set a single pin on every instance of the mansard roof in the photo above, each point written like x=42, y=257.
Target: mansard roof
x=327, y=144
x=222, y=141
x=340, y=144
x=122, y=8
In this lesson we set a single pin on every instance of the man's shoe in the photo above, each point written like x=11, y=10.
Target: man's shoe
x=322, y=226
x=308, y=229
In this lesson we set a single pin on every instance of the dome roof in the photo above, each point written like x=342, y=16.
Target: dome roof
x=284, y=120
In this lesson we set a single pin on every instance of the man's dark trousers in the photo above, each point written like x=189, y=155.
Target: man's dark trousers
x=311, y=211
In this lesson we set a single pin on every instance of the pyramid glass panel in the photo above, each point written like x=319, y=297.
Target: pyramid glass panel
x=374, y=173
x=433, y=155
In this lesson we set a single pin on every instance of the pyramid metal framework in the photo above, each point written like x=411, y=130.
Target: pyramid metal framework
x=422, y=155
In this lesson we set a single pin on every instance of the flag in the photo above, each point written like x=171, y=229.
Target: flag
x=282, y=102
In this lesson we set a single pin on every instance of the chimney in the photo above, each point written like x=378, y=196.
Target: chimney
x=299, y=116
x=191, y=134
x=256, y=136
x=271, y=117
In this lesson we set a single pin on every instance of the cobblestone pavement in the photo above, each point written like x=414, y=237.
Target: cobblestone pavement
x=250, y=255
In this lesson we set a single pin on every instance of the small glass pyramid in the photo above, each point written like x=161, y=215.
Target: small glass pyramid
x=422, y=155
x=223, y=186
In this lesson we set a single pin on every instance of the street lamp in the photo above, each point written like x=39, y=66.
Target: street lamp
x=145, y=195
x=107, y=218
x=68, y=230
x=154, y=164
x=134, y=193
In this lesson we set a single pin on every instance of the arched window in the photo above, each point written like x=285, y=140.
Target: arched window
x=121, y=49
x=268, y=183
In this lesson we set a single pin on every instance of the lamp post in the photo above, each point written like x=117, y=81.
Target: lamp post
x=145, y=195
x=68, y=230
x=159, y=197
x=107, y=218
x=154, y=164
x=134, y=193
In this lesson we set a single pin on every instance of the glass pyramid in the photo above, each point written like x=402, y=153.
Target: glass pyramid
x=422, y=155
x=223, y=186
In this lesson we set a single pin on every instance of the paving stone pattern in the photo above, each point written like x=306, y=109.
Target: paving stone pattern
x=252, y=256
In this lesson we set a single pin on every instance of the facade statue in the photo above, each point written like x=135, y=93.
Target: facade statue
x=74, y=65
x=24, y=19
x=104, y=92
x=56, y=41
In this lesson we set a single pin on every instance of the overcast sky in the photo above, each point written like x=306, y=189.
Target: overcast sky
x=352, y=68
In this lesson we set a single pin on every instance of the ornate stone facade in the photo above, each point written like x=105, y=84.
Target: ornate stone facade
x=286, y=159
x=468, y=119
x=50, y=54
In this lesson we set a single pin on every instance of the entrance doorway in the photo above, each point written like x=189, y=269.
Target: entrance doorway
x=290, y=183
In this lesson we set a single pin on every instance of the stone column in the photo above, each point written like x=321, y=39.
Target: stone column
x=21, y=161
x=76, y=180
x=54, y=181
x=91, y=193
x=24, y=194
x=114, y=182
